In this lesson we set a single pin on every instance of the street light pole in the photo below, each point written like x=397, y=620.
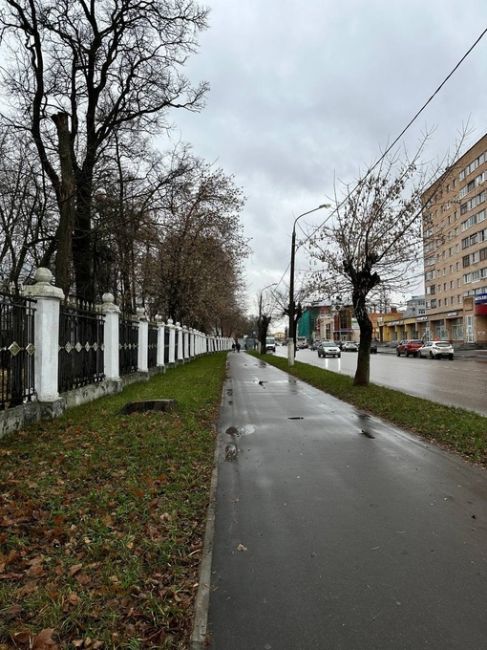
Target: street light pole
x=292, y=305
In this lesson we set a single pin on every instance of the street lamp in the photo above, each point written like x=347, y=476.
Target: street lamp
x=292, y=305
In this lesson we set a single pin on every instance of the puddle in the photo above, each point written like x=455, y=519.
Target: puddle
x=366, y=424
x=244, y=430
x=231, y=452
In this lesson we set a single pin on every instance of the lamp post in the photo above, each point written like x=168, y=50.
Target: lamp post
x=292, y=306
x=273, y=284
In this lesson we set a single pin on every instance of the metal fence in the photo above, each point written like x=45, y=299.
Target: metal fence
x=16, y=350
x=81, y=346
x=128, y=342
x=152, y=347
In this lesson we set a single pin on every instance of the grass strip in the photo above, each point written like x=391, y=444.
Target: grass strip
x=102, y=518
x=454, y=428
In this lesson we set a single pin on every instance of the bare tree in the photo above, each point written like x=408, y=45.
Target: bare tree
x=81, y=71
x=374, y=241
x=195, y=272
x=27, y=214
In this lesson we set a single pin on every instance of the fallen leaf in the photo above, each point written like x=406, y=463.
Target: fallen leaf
x=241, y=547
x=35, y=571
x=44, y=640
x=73, y=598
x=75, y=569
x=83, y=578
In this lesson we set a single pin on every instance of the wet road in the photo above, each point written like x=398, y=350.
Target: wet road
x=328, y=538
x=462, y=382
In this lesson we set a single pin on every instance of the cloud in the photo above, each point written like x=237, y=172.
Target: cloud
x=305, y=93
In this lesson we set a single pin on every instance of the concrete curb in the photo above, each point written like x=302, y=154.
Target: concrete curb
x=198, y=639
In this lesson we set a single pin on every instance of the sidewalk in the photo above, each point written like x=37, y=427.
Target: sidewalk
x=326, y=538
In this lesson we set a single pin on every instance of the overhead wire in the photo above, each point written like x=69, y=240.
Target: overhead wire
x=393, y=144
x=408, y=125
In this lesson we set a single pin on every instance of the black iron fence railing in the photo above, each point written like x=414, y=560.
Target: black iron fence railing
x=152, y=347
x=16, y=350
x=128, y=345
x=166, y=346
x=81, y=346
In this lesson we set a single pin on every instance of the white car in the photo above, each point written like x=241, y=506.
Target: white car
x=270, y=344
x=437, y=349
x=328, y=349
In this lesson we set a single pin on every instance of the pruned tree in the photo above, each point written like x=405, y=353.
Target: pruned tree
x=80, y=72
x=374, y=241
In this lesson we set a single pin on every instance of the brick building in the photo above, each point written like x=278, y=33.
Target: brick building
x=455, y=249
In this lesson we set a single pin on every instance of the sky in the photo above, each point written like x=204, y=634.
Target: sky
x=307, y=93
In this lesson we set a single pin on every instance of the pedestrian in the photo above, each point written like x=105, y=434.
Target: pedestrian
x=238, y=346
x=233, y=346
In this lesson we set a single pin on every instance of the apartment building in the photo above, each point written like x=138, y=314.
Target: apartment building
x=455, y=250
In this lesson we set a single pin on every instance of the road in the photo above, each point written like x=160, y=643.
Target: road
x=462, y=382
x=326, y=538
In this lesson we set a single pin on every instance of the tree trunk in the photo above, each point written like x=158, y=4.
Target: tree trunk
x=263, y=327
x=82, y=240
x=66, y=204
x=362, y=373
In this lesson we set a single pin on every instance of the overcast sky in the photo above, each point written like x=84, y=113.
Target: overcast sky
x=303, y=92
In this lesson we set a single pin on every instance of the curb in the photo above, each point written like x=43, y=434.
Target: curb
x=198, y=640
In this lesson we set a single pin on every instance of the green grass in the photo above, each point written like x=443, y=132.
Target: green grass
x=102, y=517
x=457, y=429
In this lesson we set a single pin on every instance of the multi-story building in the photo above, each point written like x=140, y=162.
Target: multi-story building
x=455, y=249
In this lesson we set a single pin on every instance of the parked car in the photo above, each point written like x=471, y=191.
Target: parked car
x=437, y=350
x=329, y=349
x=409, y=347
x=349, y=346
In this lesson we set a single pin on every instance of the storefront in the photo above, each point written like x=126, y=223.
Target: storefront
x=455, y=330
x=481, y=318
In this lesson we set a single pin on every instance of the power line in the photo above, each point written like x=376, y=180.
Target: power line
x=395, y=141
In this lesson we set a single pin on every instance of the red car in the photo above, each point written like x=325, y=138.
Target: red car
x=409, y=347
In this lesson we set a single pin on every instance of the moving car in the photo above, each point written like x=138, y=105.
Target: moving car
x=437, y=350
x=270, y=344
x=349, y=346
x=373, y=348
x=301, y=343
x=329, y=349
x=409, y=347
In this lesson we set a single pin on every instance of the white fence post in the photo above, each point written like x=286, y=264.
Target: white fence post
x=185, y=343
x=143, y=348
x=160, y=342
x=46, y=334
x=111, y=343
x=172, y=342
x=179, y=346
x=192, y=343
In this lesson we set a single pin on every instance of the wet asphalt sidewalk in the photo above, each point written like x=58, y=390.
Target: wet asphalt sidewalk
x=329, y=538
